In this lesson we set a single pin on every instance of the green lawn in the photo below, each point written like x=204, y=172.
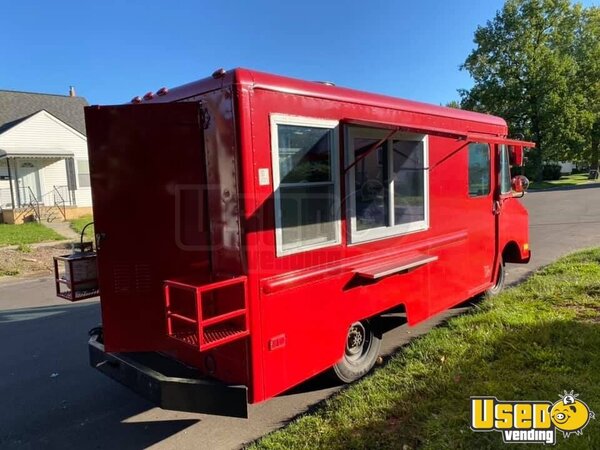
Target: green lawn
x=78, y=224
x=27, y=233
x=530, y=343
x=566, y=180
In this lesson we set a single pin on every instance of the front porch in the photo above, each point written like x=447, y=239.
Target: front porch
x=36, y=187
x=43, y=214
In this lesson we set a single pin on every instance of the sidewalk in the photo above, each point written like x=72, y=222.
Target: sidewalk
x=63, y=228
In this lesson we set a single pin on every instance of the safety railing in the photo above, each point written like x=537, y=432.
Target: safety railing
x=59, y=201
x=6, y=200
x=205, y=316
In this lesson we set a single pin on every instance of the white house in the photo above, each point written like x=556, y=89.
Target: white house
x=43, y=156
x=566, y=167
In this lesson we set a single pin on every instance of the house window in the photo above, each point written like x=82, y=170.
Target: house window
x=83, y=173
x=388, y=186
x=479, y=169
x=505, y=185
x=306, y=183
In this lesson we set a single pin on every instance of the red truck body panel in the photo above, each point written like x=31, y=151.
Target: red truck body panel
x=178, y=195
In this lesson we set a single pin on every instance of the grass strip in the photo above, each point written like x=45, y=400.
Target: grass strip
x=27, y=233
x=564, y=181
x=78, y=224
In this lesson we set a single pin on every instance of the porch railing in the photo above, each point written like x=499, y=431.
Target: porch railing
x=34, y=203
x=62, y=195
x=5, y=199
x=43, y=208
x=59, y=201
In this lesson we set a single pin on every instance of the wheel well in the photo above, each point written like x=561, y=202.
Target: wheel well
x=511, y=253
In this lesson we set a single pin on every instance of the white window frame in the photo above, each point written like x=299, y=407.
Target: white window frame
x=285, y=119
x=356, y=236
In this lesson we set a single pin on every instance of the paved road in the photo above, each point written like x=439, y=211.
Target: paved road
x=50, y=398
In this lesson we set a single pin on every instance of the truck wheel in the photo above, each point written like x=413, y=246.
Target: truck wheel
x=499, y=285
x=362, y=350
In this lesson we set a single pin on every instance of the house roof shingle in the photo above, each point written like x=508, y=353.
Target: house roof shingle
x=16, y=106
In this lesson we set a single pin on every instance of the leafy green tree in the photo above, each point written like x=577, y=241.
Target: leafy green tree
x=524, y=67
x=453, y=104
x=587, y=54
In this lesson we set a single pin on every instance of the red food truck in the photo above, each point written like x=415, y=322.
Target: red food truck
x=251, y=228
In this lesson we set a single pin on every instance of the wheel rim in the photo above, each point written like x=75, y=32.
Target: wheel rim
x=357, y=342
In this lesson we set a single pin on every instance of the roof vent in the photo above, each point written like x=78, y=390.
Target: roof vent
x=219, y=73
x=326, y=83
x=72, y=91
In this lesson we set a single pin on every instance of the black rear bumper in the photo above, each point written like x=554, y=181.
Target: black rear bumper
x=169, y=384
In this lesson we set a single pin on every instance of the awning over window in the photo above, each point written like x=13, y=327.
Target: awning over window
x=409, y=127
x=472, y=137
x=437, y=131
x=28, y=152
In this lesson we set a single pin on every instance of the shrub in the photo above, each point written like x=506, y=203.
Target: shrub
x=551, y=172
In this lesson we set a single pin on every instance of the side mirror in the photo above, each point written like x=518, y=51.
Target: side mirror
x=515, y=153
x=519, y=184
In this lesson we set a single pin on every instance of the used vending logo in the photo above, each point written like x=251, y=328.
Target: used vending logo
x=530, y=422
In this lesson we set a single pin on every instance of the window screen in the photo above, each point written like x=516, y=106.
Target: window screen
x=371, y=184
x=409, y=181
x=389, y=182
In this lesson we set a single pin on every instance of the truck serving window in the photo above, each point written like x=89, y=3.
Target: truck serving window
x=388, y=186
x=306, y=183
x=479, y=169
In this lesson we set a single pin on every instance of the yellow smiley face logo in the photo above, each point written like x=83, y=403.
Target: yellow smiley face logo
x=570, y=415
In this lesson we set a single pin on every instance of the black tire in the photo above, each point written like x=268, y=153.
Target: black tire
x=361, y=352
x=500, y=279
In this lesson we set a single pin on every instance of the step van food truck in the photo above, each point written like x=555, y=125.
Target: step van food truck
x=251, y=228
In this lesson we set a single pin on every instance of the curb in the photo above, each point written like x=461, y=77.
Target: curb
x=40, y=244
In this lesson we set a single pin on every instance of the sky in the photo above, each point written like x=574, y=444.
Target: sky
x=113, y=50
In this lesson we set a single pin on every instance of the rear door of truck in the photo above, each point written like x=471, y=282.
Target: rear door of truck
x=147, y=169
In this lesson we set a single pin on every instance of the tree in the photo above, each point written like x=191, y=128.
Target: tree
x=453, y=104
x=587, y=54
x=524, y=66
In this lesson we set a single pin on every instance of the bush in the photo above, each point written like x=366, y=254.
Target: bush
x=529, y=169
x=551, y=172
